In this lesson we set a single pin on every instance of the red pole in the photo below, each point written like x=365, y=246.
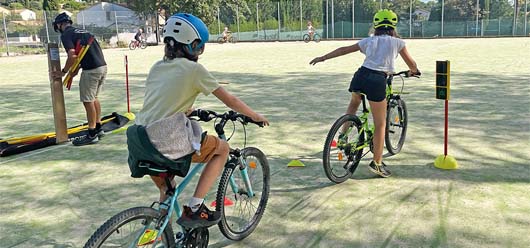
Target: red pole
x=446, y=125
x=127, y=83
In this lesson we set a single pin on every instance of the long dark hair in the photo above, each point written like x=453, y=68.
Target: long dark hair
x=174, y=49
x=386, y=31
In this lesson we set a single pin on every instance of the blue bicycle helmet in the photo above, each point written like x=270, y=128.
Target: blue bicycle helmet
x=186, y=28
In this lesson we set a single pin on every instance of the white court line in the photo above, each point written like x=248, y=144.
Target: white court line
x=35, y=153
x=30, y=112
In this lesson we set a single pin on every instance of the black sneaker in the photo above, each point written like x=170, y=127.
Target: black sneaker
x=86, y=140
x=100, y=133
x=203, y=217
x=380, y=170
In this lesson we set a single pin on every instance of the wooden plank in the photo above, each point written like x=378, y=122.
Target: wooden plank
x=56, y=85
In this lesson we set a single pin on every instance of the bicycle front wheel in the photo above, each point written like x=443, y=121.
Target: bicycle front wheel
x=396, y=125
x=143, y=45
x=241, y=208
x=134, y=227
x=343, y=148
x=316, y=38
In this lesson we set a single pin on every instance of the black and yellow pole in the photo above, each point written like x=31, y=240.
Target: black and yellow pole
x=443, y=83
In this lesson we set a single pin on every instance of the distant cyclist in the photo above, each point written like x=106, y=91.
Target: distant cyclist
x=381, y=50
x=226, y=34
x=138, y=36
x=310, y=30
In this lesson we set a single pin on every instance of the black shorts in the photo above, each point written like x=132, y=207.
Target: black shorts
x=370, y=82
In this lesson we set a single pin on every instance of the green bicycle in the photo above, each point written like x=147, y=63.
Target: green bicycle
x=343, y=150
x=241, y=198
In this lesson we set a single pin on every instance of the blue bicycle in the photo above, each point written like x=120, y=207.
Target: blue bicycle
x=241, y=198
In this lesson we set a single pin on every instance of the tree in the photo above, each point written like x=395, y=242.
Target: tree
x=50, y=5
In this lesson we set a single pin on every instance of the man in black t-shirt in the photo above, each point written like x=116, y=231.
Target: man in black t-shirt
x=92, y=77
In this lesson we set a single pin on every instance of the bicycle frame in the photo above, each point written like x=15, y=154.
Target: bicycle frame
x=366, y=127
x=172, y=200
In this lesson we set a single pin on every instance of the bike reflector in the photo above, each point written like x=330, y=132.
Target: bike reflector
x=148, y=237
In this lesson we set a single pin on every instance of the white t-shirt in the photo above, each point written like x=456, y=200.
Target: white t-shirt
x=381, y=51
x=172, y=87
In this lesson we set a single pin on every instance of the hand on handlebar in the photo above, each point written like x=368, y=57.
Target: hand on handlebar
x=417, y=73
x=260, y=118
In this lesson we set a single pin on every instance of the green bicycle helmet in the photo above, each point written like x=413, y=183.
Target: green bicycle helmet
x=385, y=18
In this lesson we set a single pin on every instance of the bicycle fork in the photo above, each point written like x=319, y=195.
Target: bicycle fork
x=238, y=160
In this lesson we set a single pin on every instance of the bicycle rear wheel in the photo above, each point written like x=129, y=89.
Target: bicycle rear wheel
x=306, y=38
x=129, y=229
x=396, y=125
x=341, y=153
x=132, y=46
x=240, y=218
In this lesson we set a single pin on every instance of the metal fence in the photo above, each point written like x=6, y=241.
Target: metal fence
x=111, y=28
x=282, y=20
x=346, y=19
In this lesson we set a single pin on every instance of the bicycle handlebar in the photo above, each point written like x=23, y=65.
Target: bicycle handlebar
x=208, y=115
x=406, y=74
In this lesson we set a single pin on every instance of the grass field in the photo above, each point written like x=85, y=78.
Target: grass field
x=58, y=196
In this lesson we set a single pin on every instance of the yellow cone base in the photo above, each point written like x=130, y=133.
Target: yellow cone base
x=295, y=163
x=445, y=162
x=129, y=116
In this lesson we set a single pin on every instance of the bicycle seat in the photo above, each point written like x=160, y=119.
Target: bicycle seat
x=145, y=159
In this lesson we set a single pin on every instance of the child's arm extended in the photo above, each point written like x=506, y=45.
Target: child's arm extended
x=237, y=105
x=336, y=53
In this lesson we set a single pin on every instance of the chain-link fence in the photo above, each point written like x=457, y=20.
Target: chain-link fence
x=346, y=19
x=273, y=20
x=112, y=28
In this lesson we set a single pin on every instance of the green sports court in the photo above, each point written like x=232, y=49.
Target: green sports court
x=471, y=103
x=58, y=196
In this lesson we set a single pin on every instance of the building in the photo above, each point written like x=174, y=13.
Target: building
x=421, y=15
x=4, y=11
x=25, y=14
x=105, y=14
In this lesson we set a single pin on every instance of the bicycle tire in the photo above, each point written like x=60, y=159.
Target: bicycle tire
x=306, y=38
x=226, y=225
x=119, y=220
x=396, y=121
x=132, y=46
x=220, y=40
x=316, y=38
x=143, y=45
x=353, y=158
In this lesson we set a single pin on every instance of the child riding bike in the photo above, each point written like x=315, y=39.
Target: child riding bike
x=172, y=86
x=380, y=50
x=310, y=30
